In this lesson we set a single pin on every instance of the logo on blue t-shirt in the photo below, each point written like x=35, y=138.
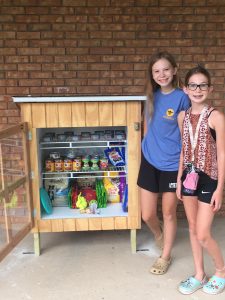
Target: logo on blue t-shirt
x=169, y=114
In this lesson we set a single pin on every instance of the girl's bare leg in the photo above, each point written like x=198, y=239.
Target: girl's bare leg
x=204, y=222
x=191, y=209
x=169, y=206
x=149, y=211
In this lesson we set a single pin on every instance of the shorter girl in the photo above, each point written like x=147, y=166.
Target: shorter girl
x=201, y=177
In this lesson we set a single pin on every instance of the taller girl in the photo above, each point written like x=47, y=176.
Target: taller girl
x=161, y=148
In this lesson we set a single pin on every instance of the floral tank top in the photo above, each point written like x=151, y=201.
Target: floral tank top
x=205, y=152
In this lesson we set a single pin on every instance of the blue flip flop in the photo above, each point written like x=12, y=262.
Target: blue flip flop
x=214, y=286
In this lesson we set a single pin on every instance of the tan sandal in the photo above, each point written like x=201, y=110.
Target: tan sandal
x=160, y=241
x=160, y=266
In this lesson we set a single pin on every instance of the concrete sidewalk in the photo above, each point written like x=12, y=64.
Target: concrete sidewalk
x=99, y=266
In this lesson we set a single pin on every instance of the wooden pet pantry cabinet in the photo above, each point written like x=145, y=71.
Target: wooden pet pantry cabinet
x=62, y=114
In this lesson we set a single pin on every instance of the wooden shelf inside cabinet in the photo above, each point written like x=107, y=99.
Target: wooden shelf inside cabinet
x=82, y=144
x=112, y=210
x=85, y=174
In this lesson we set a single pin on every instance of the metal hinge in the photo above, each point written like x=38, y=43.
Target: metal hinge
x=34, y=213
x=29, y=136
x=136, y=126
x=31, y=174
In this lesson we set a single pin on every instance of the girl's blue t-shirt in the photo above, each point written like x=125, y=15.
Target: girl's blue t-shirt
x=161, y=145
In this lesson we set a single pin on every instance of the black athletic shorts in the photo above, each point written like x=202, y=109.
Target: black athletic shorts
x=205, y=188
x=154, y=180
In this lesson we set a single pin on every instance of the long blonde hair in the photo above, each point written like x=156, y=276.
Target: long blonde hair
x=151, y=86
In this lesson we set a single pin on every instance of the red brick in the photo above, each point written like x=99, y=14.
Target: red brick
x=29, y=67
x=41, y=59
x=87, y=27
x=77, y=66
x=65, y=59
x=171, y=3
x=30, y=82
x=39, y=27
x=52, y=82
x=39, y=91
x=17, y=91
x=37, y=10
x=122, y=81
x=110, y=11
x=28, y=51
x=53, y=67
x=100, y=66
x=12, y=10
x=101, y=34
x=77, y=51
x=88, y=90
x=7, y=35
x=28, y=35
x=52, y=19
x=112, y=90
x=88, y=74
x=98, y=2
x=41, y=75
x=123, y=3
x=14, y=27
x=194, y=2
x=86, y=11
x=75, y=19
x=74, y=3
x=113, y=58
x=53, y=51
x=98, y=82
x=124, y=35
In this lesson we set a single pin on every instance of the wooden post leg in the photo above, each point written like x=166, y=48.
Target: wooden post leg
x=133, y=241
x=37, y=248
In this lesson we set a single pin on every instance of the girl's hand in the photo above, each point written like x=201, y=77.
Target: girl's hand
x=216, y=200
x=178, y=190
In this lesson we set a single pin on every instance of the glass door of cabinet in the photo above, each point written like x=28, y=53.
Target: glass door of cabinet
x=15, y=188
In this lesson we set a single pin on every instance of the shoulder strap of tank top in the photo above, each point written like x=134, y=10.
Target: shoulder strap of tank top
x=211, y=112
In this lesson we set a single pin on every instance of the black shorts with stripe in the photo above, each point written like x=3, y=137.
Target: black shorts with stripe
x=205, y=188
x=154, y=180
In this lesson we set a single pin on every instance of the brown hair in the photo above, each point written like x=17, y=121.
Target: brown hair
x=197, y=70
x=151, y=86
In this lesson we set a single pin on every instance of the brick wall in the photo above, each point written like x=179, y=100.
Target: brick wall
x=101, y=47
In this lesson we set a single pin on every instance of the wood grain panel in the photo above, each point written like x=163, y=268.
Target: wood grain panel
x=108, y=224
x=95, y=224
x=38, y=115
x=120, y=222
x=35, y=171
x=69, y=225
x=52, y=118
x=91, y=114
x=44, y=225
x=134, y=153
x=105, y=113
x=26, y=114
x=81, y=224
x=65, y=114
x=119, y=114
x=78, y=114
x=57, y=225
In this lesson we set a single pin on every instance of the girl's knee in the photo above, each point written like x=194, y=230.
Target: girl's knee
x=147, y=217
x=169, y=216
x=203, y=238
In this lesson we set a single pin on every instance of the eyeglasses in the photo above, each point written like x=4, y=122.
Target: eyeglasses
x=194, y=86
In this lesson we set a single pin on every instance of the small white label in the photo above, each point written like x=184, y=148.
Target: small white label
x=172, y=185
